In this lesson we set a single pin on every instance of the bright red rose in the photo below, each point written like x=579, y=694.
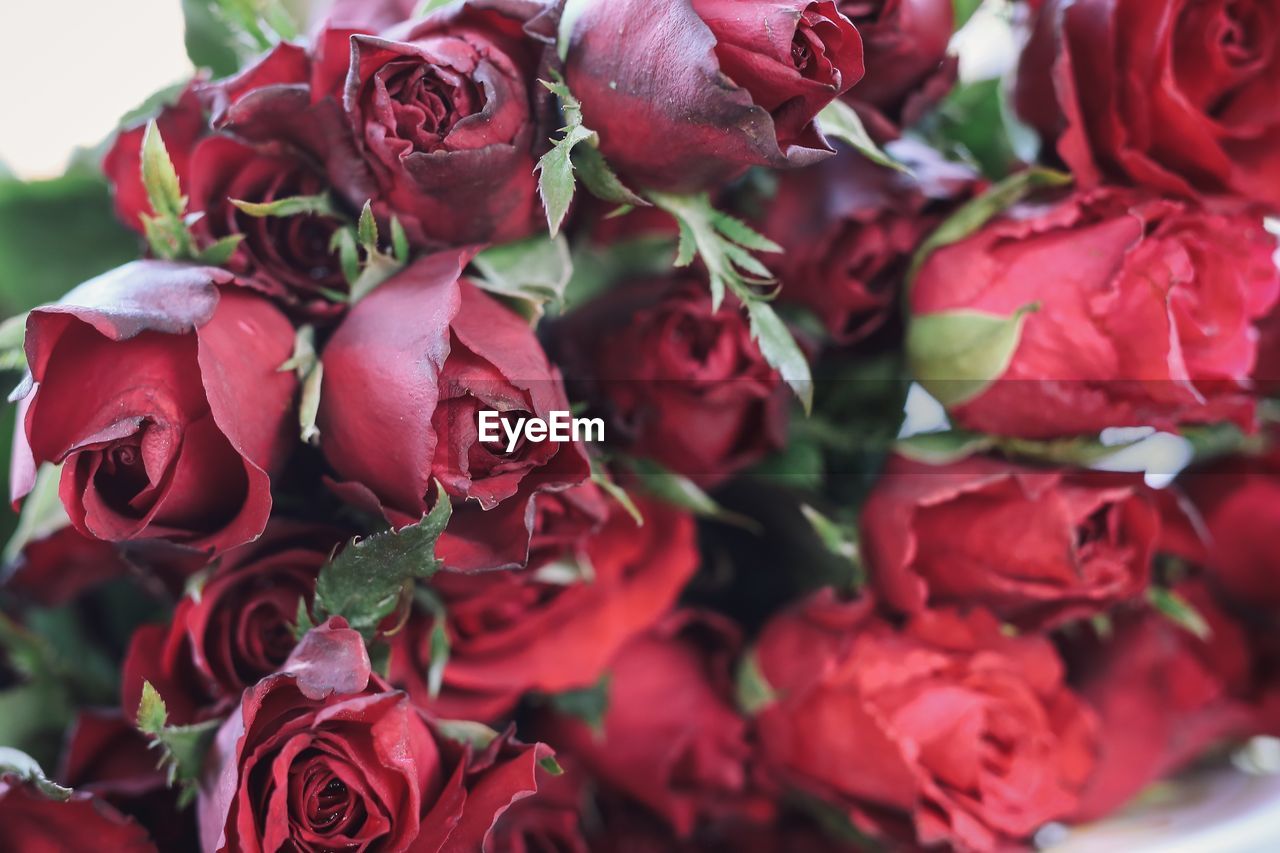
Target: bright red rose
x=157, y=387
x=236, y=629
x=848, y=229
x=1163, y=697
x=444, y=112
x=1038, y=547
x=671, y=737
x=1136, y=311
x=905, y=50
x=945, y=731
x=693, y=92
x=679, y=382
x=553, y=626
x=1174, y=95
x=108, y=757
x=35, y=821
x=323, y=754
x=401, y=402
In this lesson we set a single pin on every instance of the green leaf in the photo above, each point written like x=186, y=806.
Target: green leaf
x=302, y=620
x=945, y=447
x=599, y=179
x=600, y=476
x=588, y=704
x=550, y=765
x=17, y=763
x=159, y=177
x=555, y=176
x=369, y=577
x=220, y=251
x=956, y=355
x=42, y=512
x=963, y=10
x=399, y=241
x=344, y=243
x=534, y=271
x=1178, y=611
x=469, y=732
x=441, y=647
x=841, y=121
x=309, y=405
x=780, y=350
x=367, y=229
x=978, y=211
x=13, y=334
x=975, y=123
x=753, y=691
x=837, y=539
x=680, y=491
x=182, y=748
x=298, y=205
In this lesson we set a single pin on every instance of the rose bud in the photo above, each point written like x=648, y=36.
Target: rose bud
x=237, y=629
x=1178, y=97
x=323, y=755
x=849, y=228
x=401, y=402
x=681, y=383
x=444, y=111
x=551, y=627
x=1037, y=547
x=33, y=819
x=904, y=45
x=943, y=732
x=694, y=92
x=1163, y=697
x=670, y=737
x=108, y=757
x=157, y=387
x=1106, y=309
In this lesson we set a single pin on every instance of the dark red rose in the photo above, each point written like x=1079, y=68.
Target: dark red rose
x=945, y=731
x=905, y=49
x=553, y=626
x=681, y=383
x=157, y=387
x=444, y=111
x=691, y=93
x=1036, y=546
x=54, y=570
x=108, y=757
x=550, y=822
x=1162, y=695
x=1137, y=312
x=1236, y=505
x=181, y=124
x=848, y=229
x=1173, y=95
x=401, y=402
x=323, y=755
x=671, y=737
x=32, y=821
x=234, y=629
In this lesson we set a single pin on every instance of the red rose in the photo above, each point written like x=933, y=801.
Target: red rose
x=322, y=754
x=157, y=387
x=946, y=731
x=905, y=47
x=1162, y=696
x=108, y=757
x=1135, y=311
x=33, y=821
x=1172, y=95
x=671, y=737
x=444, y=112
x=849, y=228
x=693, y=92
x=553, y=626
x=55, y=569
x=400, y=407
x=288, y=258
x=682, y=383
x=1038, y=547
x=236, y=629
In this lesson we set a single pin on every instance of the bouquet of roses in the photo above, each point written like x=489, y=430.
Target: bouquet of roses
x=499, y=444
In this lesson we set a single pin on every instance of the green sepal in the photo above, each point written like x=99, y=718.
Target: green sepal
x=956, y=355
